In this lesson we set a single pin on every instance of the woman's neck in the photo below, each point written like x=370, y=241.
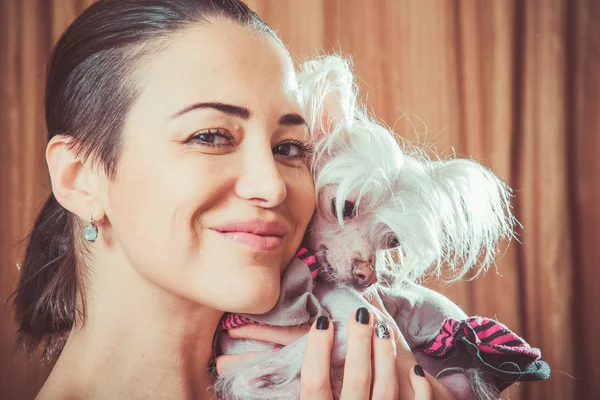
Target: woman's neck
x=137, y=342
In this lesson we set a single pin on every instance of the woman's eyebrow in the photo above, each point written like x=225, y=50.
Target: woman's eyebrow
x=290, y=119
x=229, y=109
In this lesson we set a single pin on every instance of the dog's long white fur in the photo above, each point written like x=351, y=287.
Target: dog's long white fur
x=444, y=213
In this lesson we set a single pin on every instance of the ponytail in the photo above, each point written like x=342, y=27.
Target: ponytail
x=45, y=299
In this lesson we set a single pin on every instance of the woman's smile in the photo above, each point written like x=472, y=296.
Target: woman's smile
x=259, y=235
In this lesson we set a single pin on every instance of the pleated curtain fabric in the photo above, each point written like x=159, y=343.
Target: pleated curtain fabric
x=513, y=84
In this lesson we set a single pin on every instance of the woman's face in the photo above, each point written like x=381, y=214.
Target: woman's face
x=213, y=192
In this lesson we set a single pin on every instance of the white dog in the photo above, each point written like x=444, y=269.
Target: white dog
x=384, y=218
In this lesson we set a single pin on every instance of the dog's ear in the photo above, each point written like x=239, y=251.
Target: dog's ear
x=449, y=217
x=474, y=211
x=327, y=94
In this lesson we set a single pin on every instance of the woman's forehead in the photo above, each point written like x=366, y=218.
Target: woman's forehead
x=218, y=62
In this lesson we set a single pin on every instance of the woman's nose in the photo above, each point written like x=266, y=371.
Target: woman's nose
x=260, y=180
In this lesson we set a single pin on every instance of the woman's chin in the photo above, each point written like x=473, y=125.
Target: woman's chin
x=252, y=297
x=259, y=302
x=258, y=308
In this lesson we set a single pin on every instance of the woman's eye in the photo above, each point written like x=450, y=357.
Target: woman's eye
x=293, y=150
x=287, y=150
x=212, y=137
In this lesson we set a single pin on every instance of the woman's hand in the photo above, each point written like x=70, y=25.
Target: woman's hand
x=278, y=335
x=369, y=371
x=377, y=367
x=371, y=365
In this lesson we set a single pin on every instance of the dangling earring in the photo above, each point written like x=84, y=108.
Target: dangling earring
x=90, y=233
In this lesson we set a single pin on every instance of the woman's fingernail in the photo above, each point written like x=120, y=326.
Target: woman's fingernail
x=362, y=316
x=419, y=371
x=322, y=323
x=382, y=330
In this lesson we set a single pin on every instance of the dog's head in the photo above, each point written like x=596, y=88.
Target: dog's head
x=386, y=212
x=358, y=178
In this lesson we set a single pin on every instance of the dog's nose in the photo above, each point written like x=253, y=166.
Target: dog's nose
x=364, y=275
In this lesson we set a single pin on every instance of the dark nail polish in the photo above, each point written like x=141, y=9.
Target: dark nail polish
x=382, y=330
x=362, y=316
x=322, y=323
x=419, y=371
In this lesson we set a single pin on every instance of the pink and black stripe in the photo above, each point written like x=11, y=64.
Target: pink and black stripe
x=488, y=335
x=309, y=260
x=230, y=321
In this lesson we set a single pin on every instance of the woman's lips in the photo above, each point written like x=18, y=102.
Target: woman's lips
x=257, y=234
x=256, y=242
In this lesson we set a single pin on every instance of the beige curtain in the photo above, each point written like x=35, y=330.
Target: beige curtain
x=514, y=84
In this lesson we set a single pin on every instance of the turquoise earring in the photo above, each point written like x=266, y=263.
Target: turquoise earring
x=90, y=233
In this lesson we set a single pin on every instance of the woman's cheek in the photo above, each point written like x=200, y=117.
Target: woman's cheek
x=305, y=199
x=301, y=197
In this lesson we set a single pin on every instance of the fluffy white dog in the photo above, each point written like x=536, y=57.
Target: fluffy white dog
x=385, y=216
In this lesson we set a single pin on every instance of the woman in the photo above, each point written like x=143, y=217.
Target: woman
x=178, y=158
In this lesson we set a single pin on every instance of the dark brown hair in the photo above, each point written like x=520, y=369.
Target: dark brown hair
x=90, y=88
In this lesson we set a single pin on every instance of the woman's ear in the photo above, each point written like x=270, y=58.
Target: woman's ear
x=74, y=184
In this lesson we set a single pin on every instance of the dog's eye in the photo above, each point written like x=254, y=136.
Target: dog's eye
x=393, y=242
x=348, y=211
